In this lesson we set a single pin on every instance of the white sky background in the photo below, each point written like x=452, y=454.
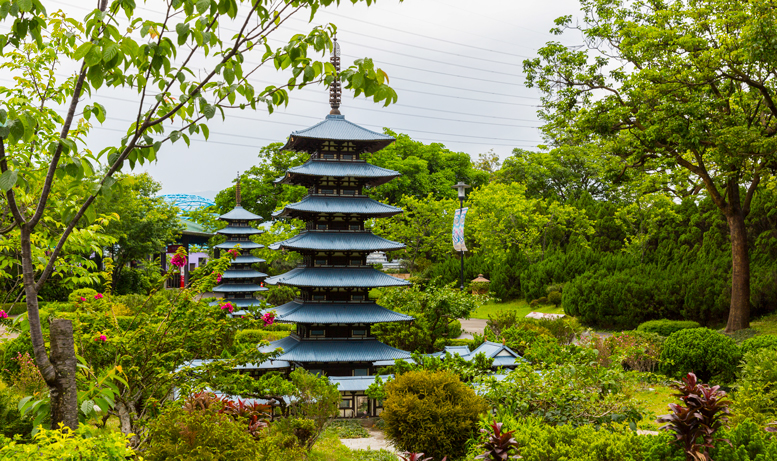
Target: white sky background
x=447, y=59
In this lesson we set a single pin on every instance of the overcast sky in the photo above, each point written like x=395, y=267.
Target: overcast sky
x=455, y=64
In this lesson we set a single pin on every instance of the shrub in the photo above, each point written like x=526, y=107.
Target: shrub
x=520, y=337
x=11, y=421
x=461, y=342
x=9, y=351
x=431, y=412
x=695, y=423
x=542, y=301
x=348, y=429
x=666, y=327
x=501, y=321
x=554, y=297
x=253, y=337
x=87, y=294
x=708, y=354
x=202, y=434
x=85, y=443
x=564, y=330
x=636, y=350
x=759, y=342
x=756, y=396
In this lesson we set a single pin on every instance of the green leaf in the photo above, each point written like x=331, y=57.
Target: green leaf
x=110, y=51
x=209, y=111
x=175, y=136
x=4, y=131
x=87, y=407
x=202, y=6
x=24, y=5
x=17, y=128
x=8, y=180
x=82, y=50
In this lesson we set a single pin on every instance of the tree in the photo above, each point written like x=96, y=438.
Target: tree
x=146, y=222
x=259, y=192
x=115, y=47
x=424, y=226
x=564, y=173
x=426, y=169
x=682, y=91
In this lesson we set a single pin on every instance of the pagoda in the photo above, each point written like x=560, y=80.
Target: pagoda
x=241, y=280
x=334, y=314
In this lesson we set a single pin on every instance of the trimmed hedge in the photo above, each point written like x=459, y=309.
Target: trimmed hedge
x=712, y=356
x=666, y=327
x=759, y=342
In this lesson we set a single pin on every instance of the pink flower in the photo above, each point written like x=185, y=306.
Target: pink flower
x=268, y=318
x=227, y=306
x=102, y=338
x=233, y=252
x=83, y=299
x=3, y=314
x=98, y=296
x=178, y=260
x=218, y=278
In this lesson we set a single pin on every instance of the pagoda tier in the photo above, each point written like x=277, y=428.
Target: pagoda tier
x=336, y=134
x=358, y=241
x=360, y=352
x=340, y=313
x=314, y=170
x=358, y=207
x=241, y=280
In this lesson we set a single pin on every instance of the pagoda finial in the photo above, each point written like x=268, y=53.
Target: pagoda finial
x=237, y=190
x=334, y=88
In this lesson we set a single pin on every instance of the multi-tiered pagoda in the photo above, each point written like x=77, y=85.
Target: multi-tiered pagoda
x=241, y=280
x=334, y=314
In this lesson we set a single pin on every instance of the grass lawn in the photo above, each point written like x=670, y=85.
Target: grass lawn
x=520, y=306
x=656, y=402
x=766, y=325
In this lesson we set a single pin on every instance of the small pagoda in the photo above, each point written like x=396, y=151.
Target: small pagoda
x=334, y=314
x=241, y=280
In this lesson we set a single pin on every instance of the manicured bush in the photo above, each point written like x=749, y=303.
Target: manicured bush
x=712, y=356
x=554, y=297
x=432, y=413
x=666, y=327
x=461, y=342
x=759, y=342
x=253, y=337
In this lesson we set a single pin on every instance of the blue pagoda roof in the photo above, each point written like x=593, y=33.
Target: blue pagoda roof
x=239, y=214
x=241, y=274
x=244, y=245
x=358, y=350
x=242, y=302
x=230, y=230
x=238, y=288
x=345, y=313
x=247, y=259
x=374, y=175
x=338, y=204
x=337, y=241
x=336, y=128
x=334, y=277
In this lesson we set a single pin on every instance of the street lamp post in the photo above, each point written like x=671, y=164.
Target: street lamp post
x=461, y=187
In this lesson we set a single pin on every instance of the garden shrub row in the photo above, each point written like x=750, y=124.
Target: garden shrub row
x=665, y=327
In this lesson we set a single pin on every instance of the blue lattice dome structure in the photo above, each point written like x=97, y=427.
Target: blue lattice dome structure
x=188, y=202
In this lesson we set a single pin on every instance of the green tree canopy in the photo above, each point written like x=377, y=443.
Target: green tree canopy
x=683, y=91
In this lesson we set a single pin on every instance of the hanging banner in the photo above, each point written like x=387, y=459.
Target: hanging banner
x=458, y=229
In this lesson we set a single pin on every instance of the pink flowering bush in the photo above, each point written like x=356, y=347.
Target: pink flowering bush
x=28, y=380
x=3, y=314
x=83, y=299
x=234, y=253
x=268, y=318
x=218, y=278
x=178, y=260
x=98, y=296
x=228, y=306
x=102, y=338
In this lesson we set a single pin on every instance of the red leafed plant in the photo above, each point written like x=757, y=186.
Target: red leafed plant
x=416, y=457
x=696, y=423
x=254, y=414
x=499, y=444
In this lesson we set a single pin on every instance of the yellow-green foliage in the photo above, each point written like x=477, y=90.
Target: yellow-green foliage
x=86, y=443
x=252, y=337
x=431, y=412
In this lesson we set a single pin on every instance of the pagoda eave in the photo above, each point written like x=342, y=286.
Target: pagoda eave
x=336, y=277
x=336, y=313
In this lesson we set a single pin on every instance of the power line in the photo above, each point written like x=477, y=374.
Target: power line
x=464, y=89
x=501, y=52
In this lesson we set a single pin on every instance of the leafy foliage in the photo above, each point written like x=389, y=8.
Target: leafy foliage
x=697, y=421
x=499, y=444
x=759, y=342
x=666, y=327
x=431, y=412
x=86, y=442
x=708, y=354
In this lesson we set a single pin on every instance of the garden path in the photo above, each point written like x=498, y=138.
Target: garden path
x=471, y=326
x=375, y=441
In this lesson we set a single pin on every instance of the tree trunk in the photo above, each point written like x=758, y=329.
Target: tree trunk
x=739, y=313
x=63, y=392
x=59, y=371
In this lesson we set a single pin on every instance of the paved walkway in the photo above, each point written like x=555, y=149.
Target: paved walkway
x=471, y=326
x=376, y=441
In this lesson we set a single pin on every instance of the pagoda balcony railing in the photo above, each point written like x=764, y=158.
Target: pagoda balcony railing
x=344, y=231
x=338, y=195
x=302, y=301
x=344, y=266
x=342, y=338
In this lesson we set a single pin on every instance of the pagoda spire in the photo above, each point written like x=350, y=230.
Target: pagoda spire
x=237, y=190
x=334, y=89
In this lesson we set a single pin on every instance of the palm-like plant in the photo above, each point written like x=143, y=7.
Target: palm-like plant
x=696, y=423
x=499, y=444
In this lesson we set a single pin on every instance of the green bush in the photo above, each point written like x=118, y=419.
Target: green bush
x=666, y=327
x=636, y=350
x=202, y=434
x=712, y=356
x=462, y=342
x=253, y=337
x=554, y=297
x=519, y=337
x=348, y=429
x=564, y=330
x=11, y=421
x=432, y=413
x=759, y=342
x=756, y=390
x=87, y=293
x=10, y=350
x=541, y=442
x=86, y=443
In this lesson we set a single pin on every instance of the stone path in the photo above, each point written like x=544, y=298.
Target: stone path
x=376, y=441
